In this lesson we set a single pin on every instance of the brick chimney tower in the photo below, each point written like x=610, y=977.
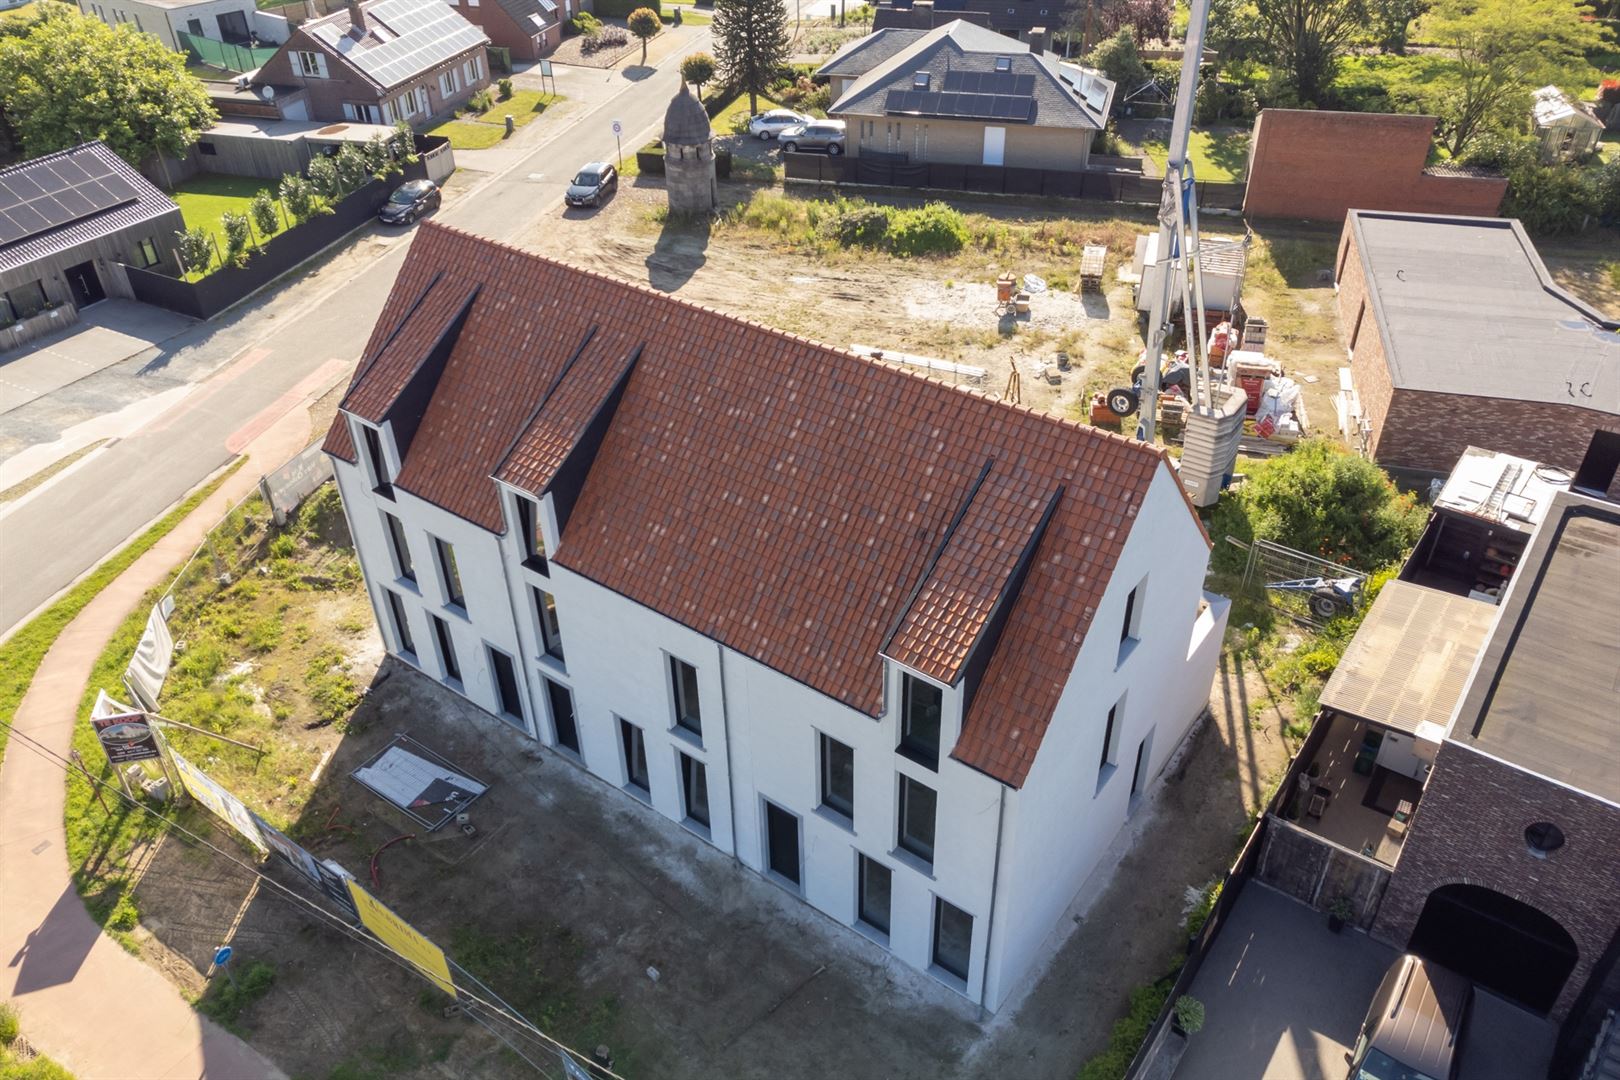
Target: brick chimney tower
x=357, y=18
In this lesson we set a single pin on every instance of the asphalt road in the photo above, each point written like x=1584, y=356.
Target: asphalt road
x=305, y=334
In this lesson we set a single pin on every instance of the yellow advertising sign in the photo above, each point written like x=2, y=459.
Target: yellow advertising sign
x=402, y=937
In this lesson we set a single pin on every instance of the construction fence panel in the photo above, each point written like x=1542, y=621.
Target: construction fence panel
x=288, y=486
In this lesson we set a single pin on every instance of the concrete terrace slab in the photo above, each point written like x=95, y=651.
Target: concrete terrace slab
x=106, y=334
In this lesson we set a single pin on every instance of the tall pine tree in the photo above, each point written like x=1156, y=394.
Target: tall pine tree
x=751, y=43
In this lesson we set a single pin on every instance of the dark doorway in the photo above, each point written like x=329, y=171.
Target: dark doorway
x=782, y=842
x=506, y=687
x=1503, y=944
x=85, y=284
x=562, y=715
x=233, y=27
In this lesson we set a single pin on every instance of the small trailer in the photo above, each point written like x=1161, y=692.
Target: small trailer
x=1091, y=267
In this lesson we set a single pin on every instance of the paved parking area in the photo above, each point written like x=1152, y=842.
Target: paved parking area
x=106, y=334
x=1283, y=998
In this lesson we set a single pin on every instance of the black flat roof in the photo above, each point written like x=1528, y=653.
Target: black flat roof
x=1546, y=694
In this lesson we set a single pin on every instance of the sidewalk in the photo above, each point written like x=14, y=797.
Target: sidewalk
x=92, y=1006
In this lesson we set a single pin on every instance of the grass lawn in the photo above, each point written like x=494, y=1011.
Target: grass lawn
x=208, y=72
x=480, y=131
x=1610, y=146
x=1216, y=155
x=689, y=17
x=207, y=196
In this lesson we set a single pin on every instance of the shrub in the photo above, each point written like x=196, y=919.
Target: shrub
x=862, y=225
x=607, y=37
x=1189, y=1014
x=932, y=229
x=1128, y=1033
x=10, y=1026
x=621, y=9
x=225, y=999
x=585, y=23
x=1200, y=913
x=323, y=177
x=481, y=101
x=1119, y=61
x=196, y=249
x=236, y=236
x=1218, y=101
x=263, y=211
x=1553, y=200
x=1321, y=499
x=403, y=143
x=301, y=200
x=505, y=87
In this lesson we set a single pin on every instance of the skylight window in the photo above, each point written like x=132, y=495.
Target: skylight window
x=1003, y=63
x=919, y=81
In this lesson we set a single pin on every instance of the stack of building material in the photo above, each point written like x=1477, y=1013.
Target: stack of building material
x=1210, y=445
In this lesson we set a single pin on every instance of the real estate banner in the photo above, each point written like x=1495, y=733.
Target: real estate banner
x=150, y=664
x=282, y=845
x=124, y=732
x=402, y=937
x=227, y=807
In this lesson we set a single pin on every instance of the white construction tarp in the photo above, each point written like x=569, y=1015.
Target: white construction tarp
x=150, y=664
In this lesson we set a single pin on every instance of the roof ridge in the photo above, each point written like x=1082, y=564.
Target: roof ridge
x=432, y=228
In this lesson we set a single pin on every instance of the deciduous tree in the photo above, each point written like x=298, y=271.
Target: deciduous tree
x=751, y=43
x=72, y=78
x=1307, y=39
x=1503, y=49
x=1119, y=61
x=698, y=69
x=643, y=22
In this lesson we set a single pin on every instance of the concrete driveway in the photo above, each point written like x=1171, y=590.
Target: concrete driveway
x=106, y=333
x=1283, y=999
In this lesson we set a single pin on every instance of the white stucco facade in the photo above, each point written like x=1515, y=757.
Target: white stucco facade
x=1009, y=859
x=167, y=19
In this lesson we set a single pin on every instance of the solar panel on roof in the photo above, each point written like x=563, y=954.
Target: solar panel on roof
x=66, y=170
x=118, y=187
x=9, y=230
x=49, y=194
x=21, y=188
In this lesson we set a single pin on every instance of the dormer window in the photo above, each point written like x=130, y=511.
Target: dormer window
x=529, y=535
x=919, y=81
x=921, y=706
x=1004, y=63
x=377, y=462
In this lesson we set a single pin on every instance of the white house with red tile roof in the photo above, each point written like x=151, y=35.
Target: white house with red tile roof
x=911, y=654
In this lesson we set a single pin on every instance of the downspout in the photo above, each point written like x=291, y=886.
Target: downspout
x=995, y=886
x=731, y=783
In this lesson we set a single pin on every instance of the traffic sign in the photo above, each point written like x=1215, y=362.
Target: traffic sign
x=618, y=128
x=222, y=955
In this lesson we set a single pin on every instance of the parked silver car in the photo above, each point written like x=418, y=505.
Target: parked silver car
x=825, y=135
x=768, y=125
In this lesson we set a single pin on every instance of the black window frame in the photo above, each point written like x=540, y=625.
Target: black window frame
x=553, y=689
x=831, y=799
x=447, y=647
x=687, y=720
x=402, y=624
x=908, y=841
x=444, y=554
x=550, y=632
x=496, y=669
x=382, y=483
x=633, y=746
x=913, y=746
x=147, y=249
x=863, y=864
x=399, y=547
x=694, y=770
x=531, y=539
x=935, y=957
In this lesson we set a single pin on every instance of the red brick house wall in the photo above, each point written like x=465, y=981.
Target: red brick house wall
x=1318, y=165
x=1469, y=828
x=343, y=84
x=490, y=17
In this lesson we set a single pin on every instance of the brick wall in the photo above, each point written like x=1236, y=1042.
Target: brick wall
x=1469, y=827
x=327, y=96
x=1317, y=165
x=1358, y=327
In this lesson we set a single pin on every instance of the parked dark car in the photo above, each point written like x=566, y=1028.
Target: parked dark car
x=1415, y=1024
x=410, y=201
x=592, y=184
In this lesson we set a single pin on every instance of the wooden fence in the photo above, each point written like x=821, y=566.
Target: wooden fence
x=1105, y=182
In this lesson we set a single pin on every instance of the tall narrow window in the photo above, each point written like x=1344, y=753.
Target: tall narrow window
x=534, y=544
x=401, y=550
x=381, y=481
x=449, y=574
x=837, y=777
x=447, y=648
x=1130, y=630
x=402, y=625
x=921, y=704
x=875, y=883
x=562, y=715
x=506, y=686
x=545, y=609
x=688, y=713
x=918, y=803
x=1110, y=743
x=953, y=938
x=695, y=790
x=635, y=756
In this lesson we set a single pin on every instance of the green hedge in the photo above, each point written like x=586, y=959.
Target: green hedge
x=621, y=9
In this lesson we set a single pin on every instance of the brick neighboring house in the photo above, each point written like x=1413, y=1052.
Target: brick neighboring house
x=923, y=697
x=1032, y=21
x=1317, y=165
x=1458, y=336
x=529, y=28
x=1510, y=870
x=377, y=61
x=964, y=95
